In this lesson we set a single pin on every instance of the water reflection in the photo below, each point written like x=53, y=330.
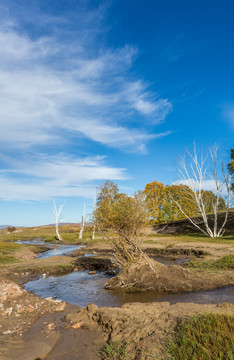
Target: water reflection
x=80, y=288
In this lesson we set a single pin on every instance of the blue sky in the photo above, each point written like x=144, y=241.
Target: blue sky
x=97, y=90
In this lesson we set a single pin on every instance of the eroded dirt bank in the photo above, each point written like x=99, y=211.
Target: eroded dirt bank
x=158, y=277
x=35, y=328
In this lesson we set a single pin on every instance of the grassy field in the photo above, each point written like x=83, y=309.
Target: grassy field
x=154, y=238
x=69, y=233
x=205, y=337
x=224, y=263
x=7, y=250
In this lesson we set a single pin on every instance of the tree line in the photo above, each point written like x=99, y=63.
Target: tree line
x=125, y=216
x=162, y=202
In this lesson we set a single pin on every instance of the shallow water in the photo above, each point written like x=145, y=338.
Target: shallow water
x=170, y=261
x=80, y=288
x=58, y=250
x=38, y=241
x=55, y=250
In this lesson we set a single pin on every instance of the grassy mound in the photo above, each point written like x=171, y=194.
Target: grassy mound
x=5, y=259
x=206, y=337
x=225, y=263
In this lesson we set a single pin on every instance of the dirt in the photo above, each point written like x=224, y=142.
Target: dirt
x=152, y=276
x=36, y=328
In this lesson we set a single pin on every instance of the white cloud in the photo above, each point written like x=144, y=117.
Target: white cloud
x=229, y=115
x=48, y=86
x=46, y=177
x=206, y=185
x=58, y=90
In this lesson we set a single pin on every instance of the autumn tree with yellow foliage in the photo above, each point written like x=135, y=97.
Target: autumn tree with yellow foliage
x=155, y=201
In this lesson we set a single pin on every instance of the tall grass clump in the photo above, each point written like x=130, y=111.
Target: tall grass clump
x=203, y=337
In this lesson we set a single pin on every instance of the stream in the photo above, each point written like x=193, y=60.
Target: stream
x=55, y=250
x=80, y=288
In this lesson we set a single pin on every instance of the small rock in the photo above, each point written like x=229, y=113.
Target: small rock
x=75, y=269
x=77, y=325
x=9, y=290
x=57, y=301
x=8, y=311
x=61, y=306
x=7, y=332
x=51, y=326
x=92, y=272
x=31, y=308
x=54, y=297
x=19, y=309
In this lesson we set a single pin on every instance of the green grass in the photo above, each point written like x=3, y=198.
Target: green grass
x=115, y=350
x=151, y=239
x=224, y=263
x=6, y=248
x=5, y=259
x=205, y=337
x=69, y=233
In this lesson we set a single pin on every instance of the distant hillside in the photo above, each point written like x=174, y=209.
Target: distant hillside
x=184, y=226
x=4, y=226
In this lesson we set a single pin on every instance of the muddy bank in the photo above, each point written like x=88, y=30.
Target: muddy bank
x=163, y=278
x=144, y=327
x=35, y=328
x=97, y=263
x=175, y=251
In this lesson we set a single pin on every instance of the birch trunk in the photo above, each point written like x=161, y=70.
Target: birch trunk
x=82, y=224
x=58, y=220
x=195, y=175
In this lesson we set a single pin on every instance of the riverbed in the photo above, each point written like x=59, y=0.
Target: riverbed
x=81, y=288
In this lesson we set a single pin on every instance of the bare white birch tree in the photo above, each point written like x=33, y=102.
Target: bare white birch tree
x=82, y=224
x=94, y=208
x=57, y=213
x=195, y=175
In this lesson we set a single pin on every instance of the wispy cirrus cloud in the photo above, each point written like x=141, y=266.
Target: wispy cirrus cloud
x=48, y=84
x=228, y=114
x=59, y=84
x=45, y=177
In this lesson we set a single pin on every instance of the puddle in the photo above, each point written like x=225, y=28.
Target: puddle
x=80, y=288
x=170, y=261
